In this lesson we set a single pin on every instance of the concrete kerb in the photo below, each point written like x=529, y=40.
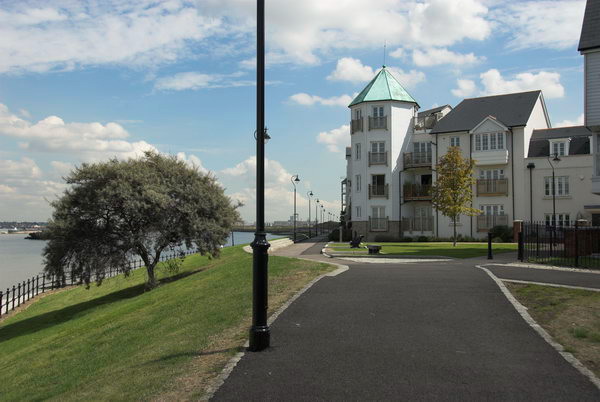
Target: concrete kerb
x=384, y=256
x=228, y=369
x=522, y=310
x=546, y=267
x=275, y=245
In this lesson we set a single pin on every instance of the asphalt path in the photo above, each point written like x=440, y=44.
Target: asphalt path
x=435, y=331
x=582, y=279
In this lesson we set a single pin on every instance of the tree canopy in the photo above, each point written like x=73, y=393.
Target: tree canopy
x=452, y=192
x=114, y=210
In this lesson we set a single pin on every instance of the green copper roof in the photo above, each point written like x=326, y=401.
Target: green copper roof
x=383, y=87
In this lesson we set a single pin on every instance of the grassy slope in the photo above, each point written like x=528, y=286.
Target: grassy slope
x=462, y=250
x=118, y=342
x=571, y=316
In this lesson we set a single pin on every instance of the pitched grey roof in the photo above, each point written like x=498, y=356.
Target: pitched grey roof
x=590, y=31
x=579, y=136
x=432, y=111
x=512, y=110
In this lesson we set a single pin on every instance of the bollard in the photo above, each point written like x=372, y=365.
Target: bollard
x=520, y=245
x=490, y=255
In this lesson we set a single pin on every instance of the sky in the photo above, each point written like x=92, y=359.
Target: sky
x=85, y=81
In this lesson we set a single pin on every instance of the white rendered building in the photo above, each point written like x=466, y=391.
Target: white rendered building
x=395, y=148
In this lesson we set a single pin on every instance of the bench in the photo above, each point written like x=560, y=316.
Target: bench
x=373, y=248
x=355, y=242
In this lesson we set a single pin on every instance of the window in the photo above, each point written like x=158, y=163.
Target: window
x=492, y=209
x=559, y=148
x=561, y=185
x=489, y=141
x=378, y=185
x=491, y=174
x=378, y=218
x=378, y=179
x=378, y=147
x=561, y=219
x=455, y=141
x=358, y=212
x=358, y=183
x=377, y=111
x=422, y=148
x=357, y=114
x=357, y=148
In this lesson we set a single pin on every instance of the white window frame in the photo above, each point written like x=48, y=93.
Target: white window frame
x=455, y=141
x=555, y=147
x=562, y=187
x=357, y=114
x=358, y=211
x=491, y=174
x=378, y=146
x=358, y=183
x=490, y=141
x=562, y=218
x=357, y=151
x=378, y=111
x=495, y=209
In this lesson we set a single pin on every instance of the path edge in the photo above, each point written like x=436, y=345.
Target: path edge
x=522, y=310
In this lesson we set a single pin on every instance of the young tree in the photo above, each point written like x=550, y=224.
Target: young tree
x=452, y=192
x=116, y=209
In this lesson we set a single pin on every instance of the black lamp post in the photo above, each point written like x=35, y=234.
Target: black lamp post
x=316, y=218
x=295, y=179
x=555, y=159
x=531, y=166
x=309, y=194
x=260, y=334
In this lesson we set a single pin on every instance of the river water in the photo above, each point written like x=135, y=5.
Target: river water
x=21, y=259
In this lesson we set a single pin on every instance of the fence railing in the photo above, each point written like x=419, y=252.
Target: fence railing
x=356, y=125
x=416, y=192
x=486, y=222
x=378, y=224
x=24, y=291
x=417, y=224
x=572, y=244
x=417, y=159
x=425, y=122
x=378, y=158
x=378, y=191
x=379, y=122
x=492, y=187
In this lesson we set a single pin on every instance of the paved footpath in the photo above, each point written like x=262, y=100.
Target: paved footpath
x=440, y=331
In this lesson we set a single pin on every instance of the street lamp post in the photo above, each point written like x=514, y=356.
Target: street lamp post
x=316, y=218
x=260, y=334
x=309, y=194
x=295, y=179
x=555, y=159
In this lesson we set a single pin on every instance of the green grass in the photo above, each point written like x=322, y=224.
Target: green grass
x=117, y=342
x=571, y=316
x=462, y=250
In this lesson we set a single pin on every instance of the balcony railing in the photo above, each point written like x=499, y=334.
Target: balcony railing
x=489, y=187
x=425, y=122
x=417, y=159
x=417, y=192
x=378, y=158
x=486, y=222
x=378, y=191
x=378, y=123
x=378, y=224
x=356, y=125
x=418, y=224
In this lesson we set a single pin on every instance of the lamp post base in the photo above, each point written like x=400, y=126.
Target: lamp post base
x=260, y=338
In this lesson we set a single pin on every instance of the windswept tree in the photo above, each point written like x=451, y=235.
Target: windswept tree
x=452, y=193
x=114, y=210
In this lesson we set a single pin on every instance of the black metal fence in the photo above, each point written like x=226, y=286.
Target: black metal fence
x=41, y=283
x=571, y=244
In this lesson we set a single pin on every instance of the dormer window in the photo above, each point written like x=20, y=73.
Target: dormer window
x=377, y=111
x=559, y=147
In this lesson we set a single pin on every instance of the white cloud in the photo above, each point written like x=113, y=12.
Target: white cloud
x=337, y=139
x=88, y=141
x=25, y=168
x=349, y=69
x=549, y=82
x=465, y=88
x=408, y=79
x=568, y=123
x=547, y=24
x=70, y=34
x=196, y=80
x=436, y=56
x=193, y=161
x=309, y=100
x=398, y=53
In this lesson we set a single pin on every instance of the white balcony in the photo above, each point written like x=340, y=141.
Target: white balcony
x=497, y=157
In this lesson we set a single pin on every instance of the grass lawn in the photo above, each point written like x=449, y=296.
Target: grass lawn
x=117, y=342
x=571, y=316
x=462, y=250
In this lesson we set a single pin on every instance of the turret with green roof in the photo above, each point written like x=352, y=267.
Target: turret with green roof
x=383, y=87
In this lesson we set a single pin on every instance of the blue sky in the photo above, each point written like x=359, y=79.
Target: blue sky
x=88, y=80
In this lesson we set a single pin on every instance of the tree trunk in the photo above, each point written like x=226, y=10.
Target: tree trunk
x=454, y=227
x=152, y=282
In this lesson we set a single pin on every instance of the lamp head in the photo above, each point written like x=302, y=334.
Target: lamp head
x=310, y=194
x=530, y=165
x=297, y=179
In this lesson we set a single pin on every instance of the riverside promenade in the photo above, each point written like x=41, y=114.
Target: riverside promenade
x=407, y=331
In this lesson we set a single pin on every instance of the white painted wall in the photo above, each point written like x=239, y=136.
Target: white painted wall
x=592, y=88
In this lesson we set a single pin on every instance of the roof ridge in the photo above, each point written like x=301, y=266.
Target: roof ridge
x=512, y=93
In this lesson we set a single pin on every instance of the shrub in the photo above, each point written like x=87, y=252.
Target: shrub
x=385, y=238
x=502, y=232
x=422, y=239
x=406, y=239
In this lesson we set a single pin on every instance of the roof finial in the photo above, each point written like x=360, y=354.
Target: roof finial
x=384, y=46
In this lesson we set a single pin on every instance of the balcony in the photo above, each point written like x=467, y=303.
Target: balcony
x=417, y=192
x=378, y=224
x=492, y=187
x=378, y=158
x=486, y=222
x=422, y=123
x=417, y=224
x=378, y=191
x=495, y=157
x=356, y=125
x=417, y=159
x=376, y=123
